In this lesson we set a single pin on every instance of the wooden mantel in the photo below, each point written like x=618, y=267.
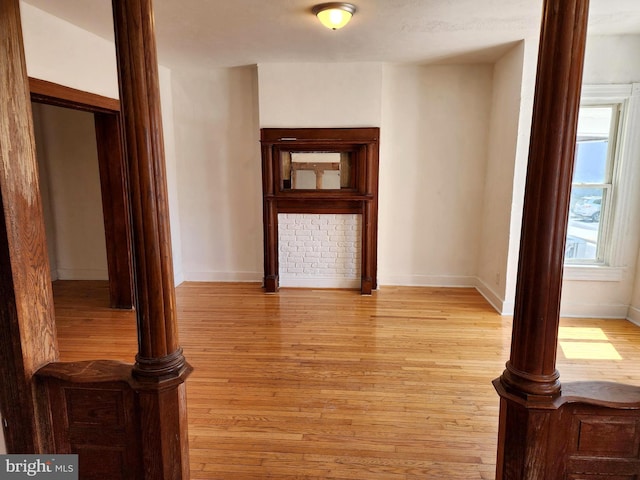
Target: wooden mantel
x=359, y=197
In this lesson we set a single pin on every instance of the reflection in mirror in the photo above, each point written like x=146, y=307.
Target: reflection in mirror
x=316, y=170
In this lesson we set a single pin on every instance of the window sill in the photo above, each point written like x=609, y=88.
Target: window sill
x=597, y=273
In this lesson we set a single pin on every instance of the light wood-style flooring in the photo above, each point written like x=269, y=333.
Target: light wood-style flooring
x=328, y=384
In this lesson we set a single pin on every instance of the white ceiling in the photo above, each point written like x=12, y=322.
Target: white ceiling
x=210, y=33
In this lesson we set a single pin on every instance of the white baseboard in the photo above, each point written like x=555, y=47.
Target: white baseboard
x=585, y=310
x=82, y=274
x=427, y=280
x=497, y=302
x=222, y=277
x=633, y=315
x=178, y=278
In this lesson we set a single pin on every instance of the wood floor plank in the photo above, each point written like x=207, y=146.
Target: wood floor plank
x=329, y=384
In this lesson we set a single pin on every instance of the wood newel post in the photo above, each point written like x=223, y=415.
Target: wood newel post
x=160, y=365
x=531, y=370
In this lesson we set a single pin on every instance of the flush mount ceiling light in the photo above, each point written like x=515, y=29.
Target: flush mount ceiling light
x=334, y=15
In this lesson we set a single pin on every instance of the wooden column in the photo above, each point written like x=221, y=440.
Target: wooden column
x=532, y=441
x=531, y=370
x=27, y=328
x=160, y=365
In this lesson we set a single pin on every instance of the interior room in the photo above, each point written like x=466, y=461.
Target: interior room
x=455, y=114
x=450, y=85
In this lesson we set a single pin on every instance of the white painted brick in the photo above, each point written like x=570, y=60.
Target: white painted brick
x=319, y=245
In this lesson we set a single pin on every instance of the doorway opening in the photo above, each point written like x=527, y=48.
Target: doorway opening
x=84, y=187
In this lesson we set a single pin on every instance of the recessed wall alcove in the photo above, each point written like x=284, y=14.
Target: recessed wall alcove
x=321, y=171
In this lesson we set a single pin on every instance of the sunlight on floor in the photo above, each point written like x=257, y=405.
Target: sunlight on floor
x=581, y=333
x=589, y=351
x=594, y=344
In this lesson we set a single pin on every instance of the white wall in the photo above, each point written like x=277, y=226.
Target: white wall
x=612, y=297
x=521, y=160
x=45, y=191
x=316, y=95
x=219, y=174
x=634, y=309
x=171, y=164
x=67, y=152
x=320, y=94
x=586, y=296
x=612, y=59
x=433, y=165
x=60, y=52
x=498, y=191
x=217, y=116
x=434, y=127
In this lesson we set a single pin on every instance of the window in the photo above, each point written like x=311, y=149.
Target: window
x=604, y=206
x=593, y=186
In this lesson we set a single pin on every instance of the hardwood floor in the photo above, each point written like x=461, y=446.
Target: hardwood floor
x=329, y=384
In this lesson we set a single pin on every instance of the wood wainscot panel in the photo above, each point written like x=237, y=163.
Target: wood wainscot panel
x=590, y=432
x=93, y=408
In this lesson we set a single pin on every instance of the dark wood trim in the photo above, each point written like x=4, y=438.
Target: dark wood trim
x=531, y=370
x=360, y=198
x=28, y=333
x=94, y=413
x=591, y=431
x=113, y=181
x=160, y=364
x=547, y=432
x=329, y=136
x=50, y=93
x=115, y=208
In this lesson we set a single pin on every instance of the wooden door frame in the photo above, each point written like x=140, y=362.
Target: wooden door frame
x=113, y=180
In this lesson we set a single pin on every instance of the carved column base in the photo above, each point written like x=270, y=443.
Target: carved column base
x=529, y=386
x=161, y=369
x=591, y=431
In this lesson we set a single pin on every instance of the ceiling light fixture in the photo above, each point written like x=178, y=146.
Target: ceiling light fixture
x=334, y=15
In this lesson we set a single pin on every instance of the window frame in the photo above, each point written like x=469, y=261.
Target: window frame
x=620, y=205
x=608, y=187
